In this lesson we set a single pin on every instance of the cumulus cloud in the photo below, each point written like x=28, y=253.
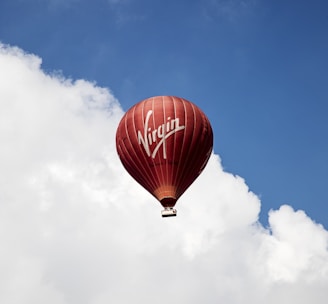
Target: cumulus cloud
x=75, y=227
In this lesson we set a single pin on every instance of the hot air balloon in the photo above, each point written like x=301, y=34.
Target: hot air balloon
x=164, y=142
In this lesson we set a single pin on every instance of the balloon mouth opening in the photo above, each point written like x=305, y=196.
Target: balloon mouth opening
x=168, y=202
x=166, y=195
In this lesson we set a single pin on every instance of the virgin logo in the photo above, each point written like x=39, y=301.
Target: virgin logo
x=157, y=136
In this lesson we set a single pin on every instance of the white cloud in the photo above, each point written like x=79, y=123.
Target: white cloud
x=75, y=228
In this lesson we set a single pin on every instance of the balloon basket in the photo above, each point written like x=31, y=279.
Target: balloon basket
x=168, y=211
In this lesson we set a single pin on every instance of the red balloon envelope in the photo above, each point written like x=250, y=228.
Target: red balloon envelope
x=164, y=142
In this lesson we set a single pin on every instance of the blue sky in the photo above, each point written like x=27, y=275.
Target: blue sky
x=258, y=69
